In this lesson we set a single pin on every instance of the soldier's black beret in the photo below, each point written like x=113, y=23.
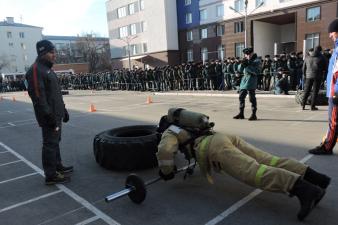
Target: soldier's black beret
x=333, y=27
x=248, y=51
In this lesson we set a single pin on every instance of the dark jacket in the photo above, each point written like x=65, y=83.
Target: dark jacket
x=250, y=69
x=314, y=65
x=45, y=92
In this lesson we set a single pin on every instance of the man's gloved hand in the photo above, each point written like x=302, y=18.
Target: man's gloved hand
x=166, y=176
x=245, y=63
x=66, y=116
x=335, y=98
x=50, y=120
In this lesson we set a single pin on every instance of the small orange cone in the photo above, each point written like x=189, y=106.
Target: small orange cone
x=149, y=100
x=13, y=99
x=92, y=108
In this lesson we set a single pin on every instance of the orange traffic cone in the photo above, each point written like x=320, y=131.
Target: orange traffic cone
x=149, y=100
x=13, y=99
x=92, y=108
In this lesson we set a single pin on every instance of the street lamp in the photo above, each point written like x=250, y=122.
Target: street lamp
x=127, y=40
x=246, y=14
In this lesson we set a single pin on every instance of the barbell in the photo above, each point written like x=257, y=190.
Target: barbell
x=136, y=188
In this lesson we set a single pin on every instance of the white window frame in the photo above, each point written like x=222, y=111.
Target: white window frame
x=143, y=26
x=220, y=52
x=187, y=2
x=312, y=40
x=133, y=49
x=258, y=2
x=131, y=8
x=204, y=33
x=239, y=49
x=132, y=28
x=121, y=12
x=204, y=54
x=220, y=10
x=310, y=16
x=23, y=46
x=188, y=18
x=190, y=55
x=239, y=5
x=141, y=3
x=189, y=35
x=21, y=34
x=123, y=31
x=203, y=14
x=9, y=34
x=220, y=30
x=145, y=47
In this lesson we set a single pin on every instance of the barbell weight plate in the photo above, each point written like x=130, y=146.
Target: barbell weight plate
x=139, y=193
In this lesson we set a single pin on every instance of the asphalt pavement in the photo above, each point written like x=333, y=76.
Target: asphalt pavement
x=282, y=129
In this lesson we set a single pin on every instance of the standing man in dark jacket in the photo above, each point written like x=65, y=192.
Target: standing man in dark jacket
x=313, y=69
x=50, y=111
x=250, y=69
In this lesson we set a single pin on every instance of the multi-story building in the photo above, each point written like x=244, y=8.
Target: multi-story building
x=211, y=29
x=143, y=32
x=17, y=45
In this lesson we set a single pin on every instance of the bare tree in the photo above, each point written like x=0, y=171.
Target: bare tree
x=95, y=52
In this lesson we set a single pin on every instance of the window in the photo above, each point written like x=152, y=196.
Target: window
x=220, y=10
x=220, y=52
x=23, y=46
x=204, y=33
x=123, y=31
x=124, y=50
x=133, y=49
x=312, y=40
x=239, y=49
x=239, y=27
x=313, y=14
x=22, y=35
x=141, y=4
x=259, y=2
x=188, y=18
x=11, y=44
x=220, y=30
x=145, y=47
x=9, y=34
x=203, y=14
x=189, y=35
x=204, y=54
x=25, y=58
x=187, y=2
x=190, y=55
x=143, y=26
x=133, y=29
x=239, y=5
x=121, y=12
x=131, y=8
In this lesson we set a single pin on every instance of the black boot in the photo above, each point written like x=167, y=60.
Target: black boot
x=308, y=194
x=320, y=150
x=316, y=178
x=240, y=115
x=252, y=117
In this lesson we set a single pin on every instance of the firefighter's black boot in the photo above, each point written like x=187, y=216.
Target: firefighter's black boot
x=316, y=178
x=307, y=194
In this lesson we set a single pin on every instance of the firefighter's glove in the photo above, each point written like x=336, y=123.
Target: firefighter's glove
x=50, y=120
x=166, y=177
x=66, y=116
x=335, y=98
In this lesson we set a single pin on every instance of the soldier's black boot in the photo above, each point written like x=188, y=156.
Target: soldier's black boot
x=240, y=115
x=307, y=194
x=320, y=150
x=252, y=117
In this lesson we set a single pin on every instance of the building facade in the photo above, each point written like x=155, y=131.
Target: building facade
x=17, y=45
x=223, y=27
x=143, y=32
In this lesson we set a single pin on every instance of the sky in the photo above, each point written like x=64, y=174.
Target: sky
x=59, y=17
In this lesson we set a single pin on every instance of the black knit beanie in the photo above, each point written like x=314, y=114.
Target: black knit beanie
x=44, y=46
x=333, y=27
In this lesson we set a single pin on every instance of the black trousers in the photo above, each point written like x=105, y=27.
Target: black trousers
x=311, y=83
x=252, y=97
x=51, y=158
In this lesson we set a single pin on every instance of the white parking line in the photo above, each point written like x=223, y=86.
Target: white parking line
x=5, y=164
x=3, y=152
x=69, y=192
x=29, y=201
x=17, y=178
x=92, y=219
x=12, y=124
x=243, y=201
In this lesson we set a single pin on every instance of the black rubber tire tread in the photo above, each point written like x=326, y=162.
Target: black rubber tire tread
x=321, y=98
x=127, y=148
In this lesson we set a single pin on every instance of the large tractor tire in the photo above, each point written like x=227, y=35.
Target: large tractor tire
x=321, y=98
x=127, y=148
